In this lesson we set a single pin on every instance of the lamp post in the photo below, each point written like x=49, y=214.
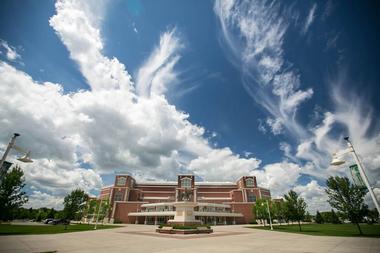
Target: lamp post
x=336, y=161
x=270, y=218
x=97, y=215
x=11, y=145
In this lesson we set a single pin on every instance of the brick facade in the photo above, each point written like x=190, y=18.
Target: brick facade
x=128, y=196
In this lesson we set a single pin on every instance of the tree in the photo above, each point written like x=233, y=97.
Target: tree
x=74, y=204
x=295, y=206
x=261, y=210
x=372, y=216
x=319, y=218
x=347, y=198
x=12, y=195
x=334, y=217
x=307, y=217
x=278, y=210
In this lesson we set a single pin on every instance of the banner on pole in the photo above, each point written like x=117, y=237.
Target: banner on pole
x=356, y=177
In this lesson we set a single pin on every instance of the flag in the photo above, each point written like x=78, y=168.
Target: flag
x=356, y=177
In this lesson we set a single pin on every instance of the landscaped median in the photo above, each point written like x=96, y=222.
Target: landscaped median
x=186, y=229
x=327, y=229
x=9, y=229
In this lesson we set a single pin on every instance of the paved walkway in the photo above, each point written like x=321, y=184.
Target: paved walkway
x=142, y=238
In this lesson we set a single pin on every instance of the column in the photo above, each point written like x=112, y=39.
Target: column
x=214, y=221
x=234, y=221
x=155, y=220
x=145, y=221
x=225, y=221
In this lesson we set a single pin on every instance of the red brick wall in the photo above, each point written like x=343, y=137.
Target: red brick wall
x=122, y=210
x=246, y=210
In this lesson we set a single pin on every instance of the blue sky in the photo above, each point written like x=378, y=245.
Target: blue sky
x=218, y=89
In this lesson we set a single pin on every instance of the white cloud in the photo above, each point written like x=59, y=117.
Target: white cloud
x=310, y=18
x=222, y=164
x=314, y=195
x=76, y=25
x=41, y=199
x=278, y=177
x=109, y=127
x=9, y=51
x=157, y=72
x=254, y=32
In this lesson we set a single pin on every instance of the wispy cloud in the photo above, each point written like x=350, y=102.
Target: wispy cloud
x=9, y=51
x=253, y=32
x=158, y=70
x=309, y=19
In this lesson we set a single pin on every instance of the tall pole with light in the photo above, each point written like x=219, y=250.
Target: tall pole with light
x=270, y=218
x=97, y=215
x=11, y=144
x=336, y=161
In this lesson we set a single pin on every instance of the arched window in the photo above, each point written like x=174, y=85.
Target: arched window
x=118, y=196
x=186, y=182
x=249, y=182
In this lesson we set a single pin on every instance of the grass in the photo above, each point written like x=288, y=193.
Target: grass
x=7, y=229
x=328, y=229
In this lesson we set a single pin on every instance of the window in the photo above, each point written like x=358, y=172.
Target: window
x=249, y=182
x=121, y=181
x=251, y=197
x=186, y=182
x=118, y=196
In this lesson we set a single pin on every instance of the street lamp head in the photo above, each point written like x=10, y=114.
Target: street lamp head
x=16, y=134
x=346, y=138
x=25, y=158
x=336, y=161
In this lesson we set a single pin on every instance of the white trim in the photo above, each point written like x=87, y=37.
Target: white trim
x=156, y=198
x=215, y=198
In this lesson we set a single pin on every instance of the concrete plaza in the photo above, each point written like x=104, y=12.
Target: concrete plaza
x=142, y=238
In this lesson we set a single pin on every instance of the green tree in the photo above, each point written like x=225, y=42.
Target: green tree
x=334, y=217
x=74, y=204
x=307, y=217
x=347, y=198
x=12, y=195
x=261, y=210
x=278, y=210
x=372, y=216
x=318, y=218
x=296, y=207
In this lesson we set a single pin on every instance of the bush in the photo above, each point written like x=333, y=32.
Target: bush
x=253, y=222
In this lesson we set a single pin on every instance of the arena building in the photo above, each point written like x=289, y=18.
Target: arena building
x=153, y=202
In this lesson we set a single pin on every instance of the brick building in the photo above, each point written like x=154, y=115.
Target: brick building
x=152, y=202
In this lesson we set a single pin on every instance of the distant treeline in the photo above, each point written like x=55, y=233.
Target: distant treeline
x=38, y=214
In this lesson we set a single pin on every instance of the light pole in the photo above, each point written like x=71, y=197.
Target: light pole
x=270, y=218
x=11, y=144
x=97, y=215
x=336, y=161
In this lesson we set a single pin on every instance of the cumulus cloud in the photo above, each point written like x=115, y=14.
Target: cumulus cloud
x=39, y=199
x=76, y=137
x=314, y=196
x=222, y=164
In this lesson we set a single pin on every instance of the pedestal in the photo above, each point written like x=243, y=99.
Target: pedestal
x=184, y=214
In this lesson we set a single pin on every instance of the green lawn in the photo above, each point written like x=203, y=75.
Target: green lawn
x=328, y=229
x=7, y=229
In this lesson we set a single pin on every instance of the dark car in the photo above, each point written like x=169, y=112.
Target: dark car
x=61, y=221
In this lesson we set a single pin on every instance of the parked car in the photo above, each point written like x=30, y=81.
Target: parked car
x=47, y=221
x=61, y=221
